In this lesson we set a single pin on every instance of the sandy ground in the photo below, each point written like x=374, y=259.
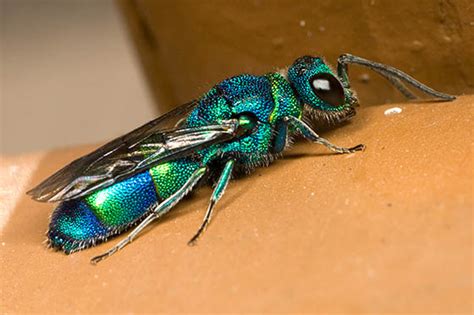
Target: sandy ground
x=384, y=230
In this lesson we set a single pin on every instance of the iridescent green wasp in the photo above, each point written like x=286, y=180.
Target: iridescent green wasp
x=241, y=123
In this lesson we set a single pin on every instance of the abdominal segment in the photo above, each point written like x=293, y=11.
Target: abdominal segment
x=81, y=223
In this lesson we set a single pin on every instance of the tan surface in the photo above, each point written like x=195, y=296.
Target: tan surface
x=385, y=230
x=187, y=46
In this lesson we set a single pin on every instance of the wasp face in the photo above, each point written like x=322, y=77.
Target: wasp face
x=321, y=90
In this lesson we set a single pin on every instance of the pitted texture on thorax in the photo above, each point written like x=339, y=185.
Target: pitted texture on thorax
x=239, y=94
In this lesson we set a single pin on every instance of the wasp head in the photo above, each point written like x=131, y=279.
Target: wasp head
x=320, y=90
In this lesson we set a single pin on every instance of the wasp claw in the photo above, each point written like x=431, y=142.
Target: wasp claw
x=359, y=147
x=97, y=259
x=193, y=241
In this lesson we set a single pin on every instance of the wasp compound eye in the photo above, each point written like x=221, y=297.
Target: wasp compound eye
x=328, y=89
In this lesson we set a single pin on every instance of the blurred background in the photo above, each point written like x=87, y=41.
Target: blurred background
x=386, y=231
x=85, y=71
x=69, y=75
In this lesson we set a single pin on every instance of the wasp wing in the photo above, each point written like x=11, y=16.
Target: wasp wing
x=149, y=145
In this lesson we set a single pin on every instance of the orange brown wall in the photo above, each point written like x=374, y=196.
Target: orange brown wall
x=187, y=46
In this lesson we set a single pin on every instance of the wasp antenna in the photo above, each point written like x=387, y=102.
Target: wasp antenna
x=394, y=75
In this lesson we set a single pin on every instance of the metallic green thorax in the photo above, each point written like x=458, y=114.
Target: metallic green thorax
x=284, y=99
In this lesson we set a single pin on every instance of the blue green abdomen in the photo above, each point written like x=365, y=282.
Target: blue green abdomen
x=82, y=222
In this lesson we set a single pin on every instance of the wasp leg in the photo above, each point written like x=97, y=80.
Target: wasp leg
x=216, y=195
x=394, y=75
x=281, y=136
x=157, y=212
x=311, y=135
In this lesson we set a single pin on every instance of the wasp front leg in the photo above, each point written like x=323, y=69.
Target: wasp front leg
x=308, y=133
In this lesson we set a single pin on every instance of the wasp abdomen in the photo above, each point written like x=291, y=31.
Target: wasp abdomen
x=81, y=223
x=74, y=226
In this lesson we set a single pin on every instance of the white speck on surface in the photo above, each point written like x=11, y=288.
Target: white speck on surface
x=278, y=41
x=302, y=23
x=392, y=111
x=417, y=45
x=322, y=28
x=364, y=78
x=3, y=243
x=447, y=39
x=255, y=231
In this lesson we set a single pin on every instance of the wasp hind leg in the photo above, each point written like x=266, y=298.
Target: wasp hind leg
x=158, y=211
x=216, y=195
x=311, y=135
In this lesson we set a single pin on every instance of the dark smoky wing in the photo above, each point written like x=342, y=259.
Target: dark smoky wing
x=151, y=144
